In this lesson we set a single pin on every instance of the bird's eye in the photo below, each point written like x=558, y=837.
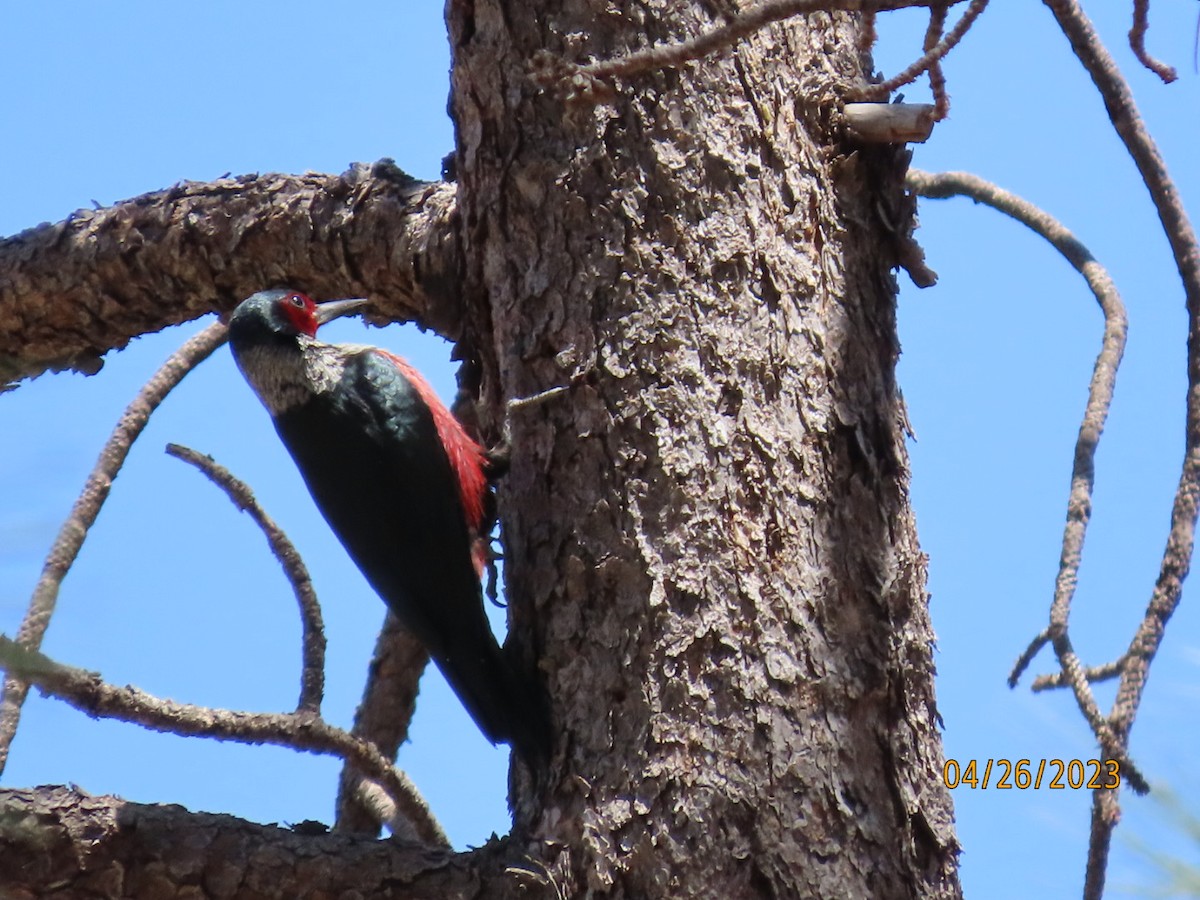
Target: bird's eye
x=297, y=300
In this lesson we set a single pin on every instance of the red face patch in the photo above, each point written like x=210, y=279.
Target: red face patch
x=299, y=310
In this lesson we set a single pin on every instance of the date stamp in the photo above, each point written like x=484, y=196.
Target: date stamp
x=1025, y=774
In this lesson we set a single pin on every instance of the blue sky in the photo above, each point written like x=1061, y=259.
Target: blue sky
x=175, y=593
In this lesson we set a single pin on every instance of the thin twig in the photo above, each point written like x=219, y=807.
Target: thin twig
x=587, y=81
x=312, y=675
x=1093, y=674
x=1040, y=640
x=934, y=55
x=83, y=514
x=1127, y=121
x=1137, y=43
x=937, y=78
x=300, y=730
x=520, y=403
x=1100, y=393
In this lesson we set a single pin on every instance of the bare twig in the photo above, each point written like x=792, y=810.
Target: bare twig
x=520, y=403
x=1093, y=674
x=383, y=717
x=1100, y=393
x=1127, y=121
x=1137, y=42
x=931, y=56
x=83, y=514
x=312, y=677
x=300, y=730
x=586, y=82
x=937, y=79
x=1040, y=640
x=159, y=714
x=1104, y=373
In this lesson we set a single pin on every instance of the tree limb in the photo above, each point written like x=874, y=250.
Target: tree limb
x=232, y=236
x=83, y=514
x=935, y=51
x=87, y=692
x=58, y=841
x=1176, y=561
x=383, y=717
x=312, y=677
x=1137, y=43
x=1093, y=674
x=71, y=291
x=587, y=82
x=1100, y=394
x=934, y=33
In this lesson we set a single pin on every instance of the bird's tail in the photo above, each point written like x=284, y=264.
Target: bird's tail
x=508, y=706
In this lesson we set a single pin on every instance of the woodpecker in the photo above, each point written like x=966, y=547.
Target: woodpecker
x=401, y=484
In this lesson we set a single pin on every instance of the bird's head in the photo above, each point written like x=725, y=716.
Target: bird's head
x=284, y=313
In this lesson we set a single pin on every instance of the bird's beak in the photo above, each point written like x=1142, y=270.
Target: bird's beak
x=335, y=308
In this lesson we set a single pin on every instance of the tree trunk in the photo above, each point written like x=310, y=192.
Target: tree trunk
x=709, y=548
x=709, y=538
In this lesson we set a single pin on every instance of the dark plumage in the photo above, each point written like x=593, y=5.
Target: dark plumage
x=403, y=487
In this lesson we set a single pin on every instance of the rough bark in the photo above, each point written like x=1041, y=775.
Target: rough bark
x=709, y=541
x=71, y=291
x=63, y=844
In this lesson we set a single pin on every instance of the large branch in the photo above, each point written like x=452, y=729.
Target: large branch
x=55, y=840
x=71, y=291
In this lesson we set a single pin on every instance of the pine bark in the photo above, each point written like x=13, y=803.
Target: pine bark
x=709, y=546
x=710, y=538
x=73, y=290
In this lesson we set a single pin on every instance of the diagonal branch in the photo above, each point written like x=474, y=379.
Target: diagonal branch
x=934, y=53
x=71, y=291
x=1127, y=120
x=1176, y=561
x=937, y=78
x=383, y=717
x=1100, y=394
x=300, y=730
x=1100, y=391
x=312, y=677
x=588, y=81
x=1093, y=674
x=83, y=514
